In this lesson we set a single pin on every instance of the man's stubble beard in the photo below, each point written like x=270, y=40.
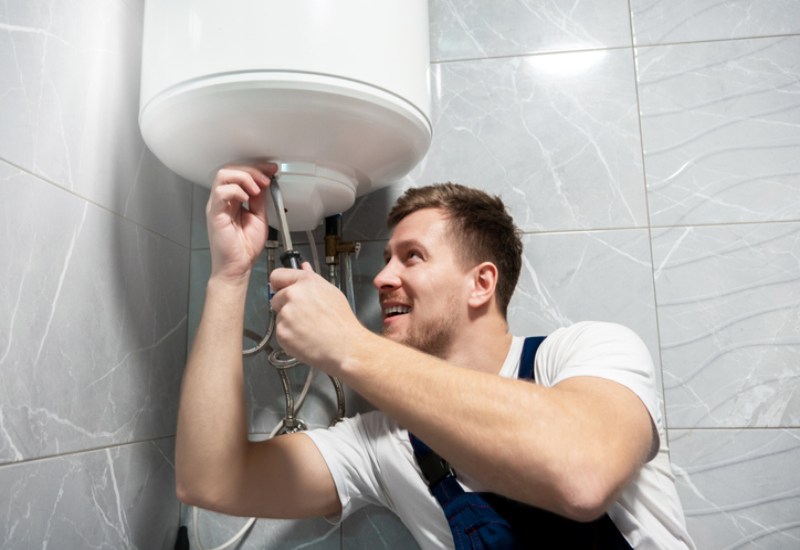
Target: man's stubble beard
x=434, y=336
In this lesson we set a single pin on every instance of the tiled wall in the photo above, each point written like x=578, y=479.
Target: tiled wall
x=650, y=150
x=94, y=274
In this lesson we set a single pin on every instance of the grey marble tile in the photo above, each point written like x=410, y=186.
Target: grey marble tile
x=69, y=78
x=595, y=275
x=739, y=488
x=120, y=497
x=365, y=268
x=463, y=29
x=366, y=220
x=721, y=131
x=199, y=273
x=153, y=197
x=657, y=22
x=556, y=136
x=729, y=316
x=199, y=229
x=93, y=330
x=376, y=528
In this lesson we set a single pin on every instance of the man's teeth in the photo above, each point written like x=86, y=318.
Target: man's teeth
x=396, y=310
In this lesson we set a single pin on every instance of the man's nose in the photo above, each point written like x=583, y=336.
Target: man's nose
x=386, y=277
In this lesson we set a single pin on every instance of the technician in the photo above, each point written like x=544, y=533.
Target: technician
x=583, y=446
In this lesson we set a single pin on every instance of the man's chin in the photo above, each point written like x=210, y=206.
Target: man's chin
x=391, y=335
x=395, y=336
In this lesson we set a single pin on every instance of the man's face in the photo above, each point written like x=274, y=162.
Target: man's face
x=423, y=287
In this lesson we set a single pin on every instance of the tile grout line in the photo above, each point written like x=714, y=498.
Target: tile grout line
x=632, y=45
x=96, y=204
x=84, y=451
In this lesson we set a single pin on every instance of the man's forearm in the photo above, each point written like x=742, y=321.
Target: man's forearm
x=212, y=426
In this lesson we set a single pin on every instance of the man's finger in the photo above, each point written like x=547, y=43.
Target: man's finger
x=282, y=277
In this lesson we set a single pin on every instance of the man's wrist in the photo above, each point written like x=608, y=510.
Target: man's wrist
x=232, y=286
x=357, y=353
x=230, y=280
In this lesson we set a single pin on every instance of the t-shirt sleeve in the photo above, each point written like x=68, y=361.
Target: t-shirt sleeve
x=605, y=350
x=347, y=451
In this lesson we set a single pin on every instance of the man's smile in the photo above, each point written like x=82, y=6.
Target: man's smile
x=391, y=311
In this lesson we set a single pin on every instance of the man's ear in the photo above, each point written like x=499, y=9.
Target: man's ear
x=484, y=283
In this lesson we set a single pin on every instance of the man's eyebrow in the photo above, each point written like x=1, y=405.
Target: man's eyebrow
x=405, y=244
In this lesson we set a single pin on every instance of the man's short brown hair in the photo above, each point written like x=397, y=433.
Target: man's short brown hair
x=479, y=225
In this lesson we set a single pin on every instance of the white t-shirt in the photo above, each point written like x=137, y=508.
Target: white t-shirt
x=372, y=462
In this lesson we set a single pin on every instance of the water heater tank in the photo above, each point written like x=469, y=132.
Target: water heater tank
x=334, y=91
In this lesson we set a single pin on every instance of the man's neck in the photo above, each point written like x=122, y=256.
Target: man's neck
x=482, y=348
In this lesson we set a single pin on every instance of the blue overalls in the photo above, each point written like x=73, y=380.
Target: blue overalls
x=487, y=521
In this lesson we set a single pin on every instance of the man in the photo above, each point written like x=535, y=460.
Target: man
x=584, y=440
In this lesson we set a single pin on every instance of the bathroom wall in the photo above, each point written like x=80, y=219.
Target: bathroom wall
x=650, y=152
x=648, y=149
x=94, y=241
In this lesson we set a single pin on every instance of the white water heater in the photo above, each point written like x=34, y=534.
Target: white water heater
x=334, y=91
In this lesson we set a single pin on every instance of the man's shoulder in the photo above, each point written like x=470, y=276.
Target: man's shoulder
x=589, y=332
x=590, y=347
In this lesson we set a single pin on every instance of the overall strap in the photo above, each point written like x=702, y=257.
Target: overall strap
x=438, y=474
x=528, y=355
